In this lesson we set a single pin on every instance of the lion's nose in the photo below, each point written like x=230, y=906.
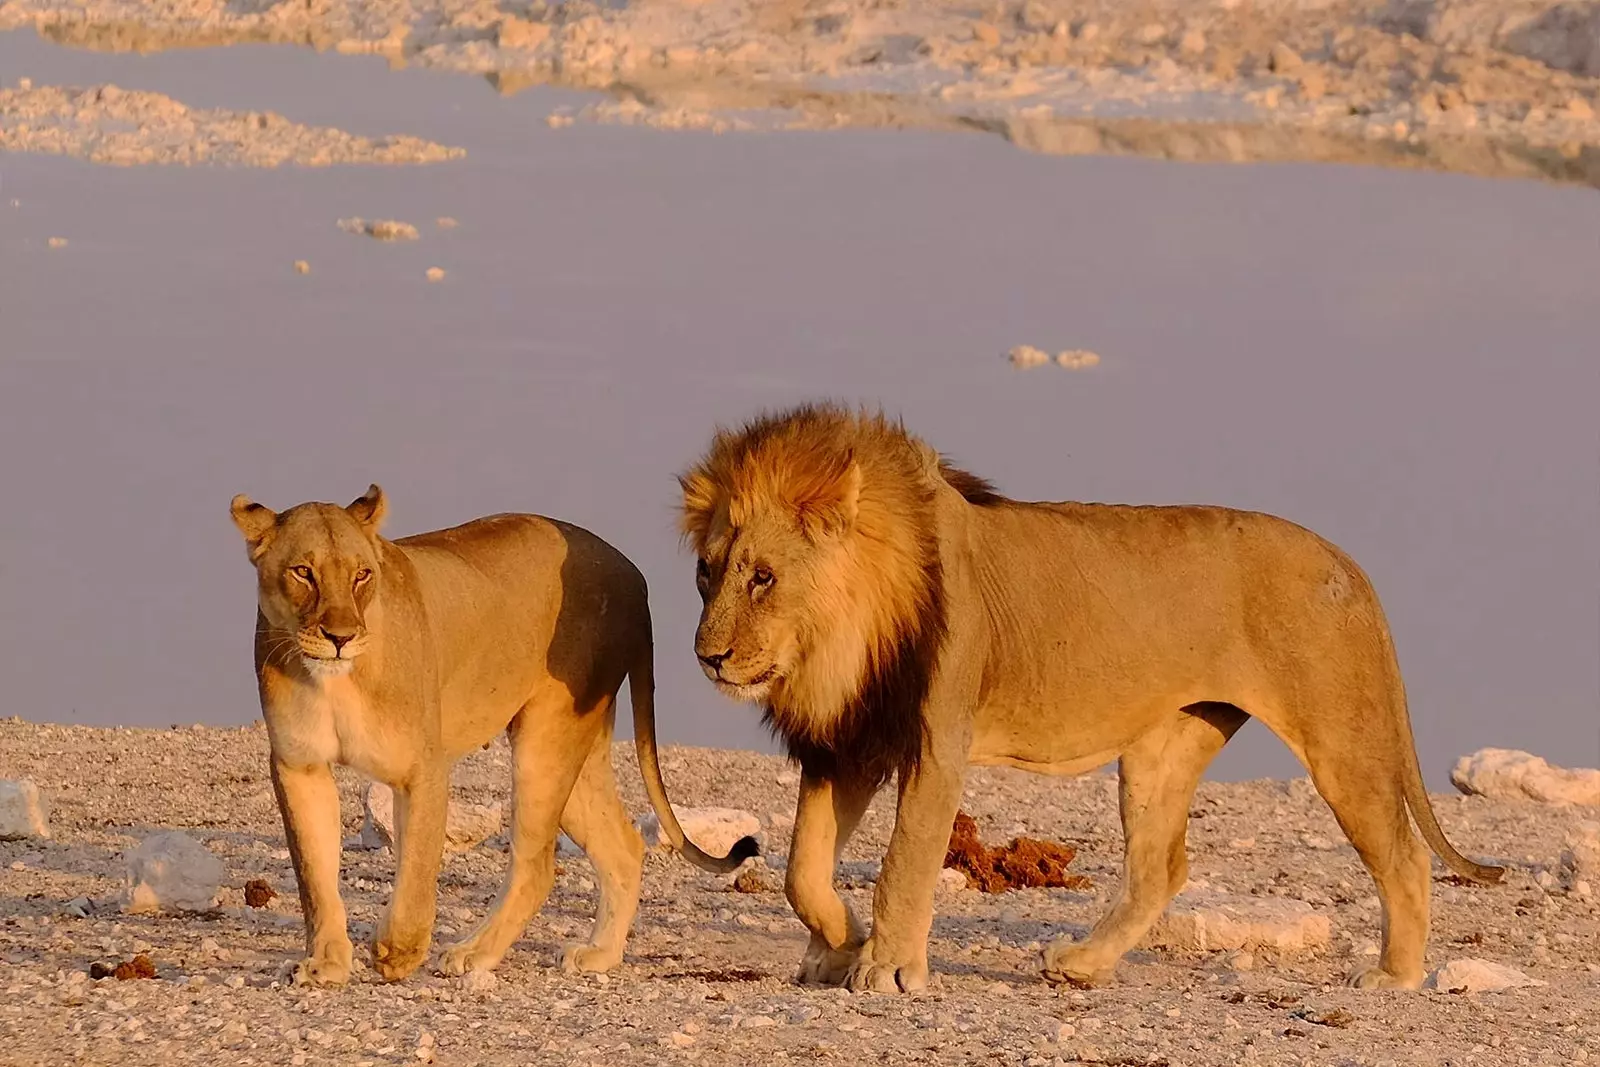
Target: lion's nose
x=714, y=663
x=338, y=640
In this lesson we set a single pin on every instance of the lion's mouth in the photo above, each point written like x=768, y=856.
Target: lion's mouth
x=750, y=689
x=326, y=667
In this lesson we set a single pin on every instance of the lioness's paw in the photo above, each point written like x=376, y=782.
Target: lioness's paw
x=1068, y=963
x=321, y=972
x=1378, y=978
x=871, y=975
x=589, y=959
x=826, y=966
x=394, y=960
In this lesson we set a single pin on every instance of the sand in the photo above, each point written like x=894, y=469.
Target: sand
x=706, y=978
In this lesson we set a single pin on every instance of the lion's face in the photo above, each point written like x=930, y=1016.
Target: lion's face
x=317, y=570
x=757, y=585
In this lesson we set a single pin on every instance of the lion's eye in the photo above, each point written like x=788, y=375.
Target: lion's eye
x=761, y=579
x=362, y=575
x=302, y=572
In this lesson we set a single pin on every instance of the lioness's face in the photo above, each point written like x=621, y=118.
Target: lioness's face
x=317, y=574
x=756, y=583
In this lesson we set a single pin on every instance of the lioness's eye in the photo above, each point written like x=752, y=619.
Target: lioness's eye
x=761, y=579
x=302, y=572
x=362, y=575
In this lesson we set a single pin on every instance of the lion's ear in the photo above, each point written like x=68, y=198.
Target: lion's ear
x=369, y=508
x=699, y=505
x=827, y=505
x=256, y=522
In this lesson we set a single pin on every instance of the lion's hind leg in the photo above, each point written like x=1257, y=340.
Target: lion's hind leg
x=1158, y=777
x=548, y=747
x=598, y=823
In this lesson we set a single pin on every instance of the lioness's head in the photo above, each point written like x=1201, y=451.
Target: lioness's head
x=818, y=569
x=317, y=573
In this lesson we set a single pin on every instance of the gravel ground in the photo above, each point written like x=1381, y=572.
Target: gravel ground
x=706, y=979
x=1495, y=87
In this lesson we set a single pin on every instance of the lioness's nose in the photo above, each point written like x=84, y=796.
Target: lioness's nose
x=338, y=640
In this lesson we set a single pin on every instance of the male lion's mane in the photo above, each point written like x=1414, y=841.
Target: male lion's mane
x=792, y=459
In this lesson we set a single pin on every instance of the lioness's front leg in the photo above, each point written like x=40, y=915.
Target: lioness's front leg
x=895, y=957
x=420, y=806
x=308, y=800
x=826, y=814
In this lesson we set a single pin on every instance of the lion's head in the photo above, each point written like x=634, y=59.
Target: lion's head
x=317, y=570
x=819, y=572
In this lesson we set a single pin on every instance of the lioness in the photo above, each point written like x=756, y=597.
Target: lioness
x=398, y=657
x=896, y=616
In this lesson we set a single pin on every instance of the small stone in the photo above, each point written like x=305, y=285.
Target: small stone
x=1066, y=1031
x=1027, y=356
x=1150, y=33
x=78, y=907
x=1207, y=921
x=466, y=825
x=1284, y=60
x=236, y=982
x=1580, y=856
x=479, y=981
x=1193, y=42
x=521, y=33
x=1508, y=774
x=1313, y=84
x=1580, y=109
x=57, y=242
x=1078, y=359
x=757, y=1022
x=445, y=222
x=985, y=33
x=1241, y=961
x=679, y=1039
x=558, y=121
x=952, y=880
x=302, y=267
x=171, y=872
x=380, y=229
x=436, y=274
x=1478, y=976
x=715, y=830
x=1242, y=844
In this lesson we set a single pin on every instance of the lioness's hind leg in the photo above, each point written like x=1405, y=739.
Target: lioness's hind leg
x=598, y=823
x=1158, y=777
x=1368, y=799
x=548, y=747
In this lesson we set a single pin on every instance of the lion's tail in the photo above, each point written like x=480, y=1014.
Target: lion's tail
x=641, y=687
x=1417, y=797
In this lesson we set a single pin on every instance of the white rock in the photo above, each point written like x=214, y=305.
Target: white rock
x=171, y=872
x=715, y=830
x=479, y=981
x=466, y=825
x=1026, y=356
x=24, y=811
x=1478, y=976
x=1209, y=922
x=1580, y=859
x=1506, y=774
x=952, y=880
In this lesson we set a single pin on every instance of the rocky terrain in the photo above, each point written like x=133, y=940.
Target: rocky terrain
x=706, y=979
x=1501, y=87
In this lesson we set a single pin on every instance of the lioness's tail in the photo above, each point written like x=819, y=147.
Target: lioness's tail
x=641, y=687
x=1417, y=797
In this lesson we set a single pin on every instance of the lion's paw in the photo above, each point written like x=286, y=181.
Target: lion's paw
x=1068, y=963
x=394, y=960
x=464, y=956
x=589, y=959
x=826, y=966
x=871, y=975
x=324, y=972
x=1378, y=978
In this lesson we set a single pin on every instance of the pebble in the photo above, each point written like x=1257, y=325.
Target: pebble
x=302, y=267
x=435, y=274
x=24, y=810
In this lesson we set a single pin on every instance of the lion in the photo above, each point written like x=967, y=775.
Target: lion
x=399, y=657
x=896, y=616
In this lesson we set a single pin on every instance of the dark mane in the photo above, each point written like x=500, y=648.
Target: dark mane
x=977, y=491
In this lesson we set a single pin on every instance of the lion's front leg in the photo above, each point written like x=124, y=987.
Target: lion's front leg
x=895, y=957
x=308, y=800
x=825, y=816
x=403, y=936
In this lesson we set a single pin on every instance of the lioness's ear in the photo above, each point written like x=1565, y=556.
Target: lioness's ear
x=699, y=505
x=827, y=504
x=369, y=508
x=256, y=522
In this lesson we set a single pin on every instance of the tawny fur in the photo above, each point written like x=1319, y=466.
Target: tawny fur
x=399, y=657
x=1063, y=636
